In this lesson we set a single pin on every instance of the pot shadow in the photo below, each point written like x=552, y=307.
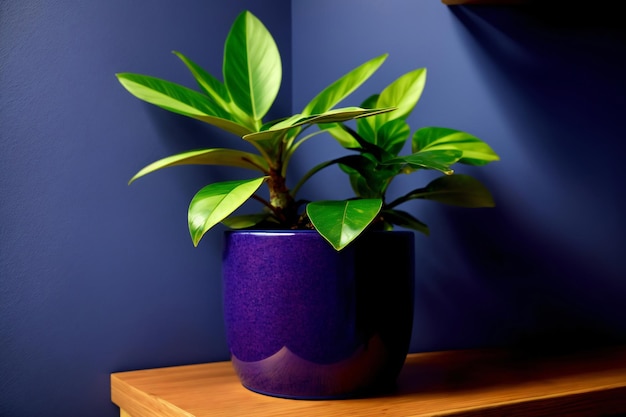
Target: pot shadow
x=451, y=372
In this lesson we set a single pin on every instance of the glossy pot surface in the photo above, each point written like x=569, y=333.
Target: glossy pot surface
x=304, y=321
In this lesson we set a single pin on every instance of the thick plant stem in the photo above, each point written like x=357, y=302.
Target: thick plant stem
x=281, y=200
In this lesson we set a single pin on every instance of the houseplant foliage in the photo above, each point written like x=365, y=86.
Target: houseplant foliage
x=252, y=72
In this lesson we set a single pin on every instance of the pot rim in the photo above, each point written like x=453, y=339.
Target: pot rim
x=271, y=232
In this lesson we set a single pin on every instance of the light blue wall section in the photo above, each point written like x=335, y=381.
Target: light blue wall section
x=544, y=86
x=97, y=276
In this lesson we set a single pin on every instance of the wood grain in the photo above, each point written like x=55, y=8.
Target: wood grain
x=452, y=383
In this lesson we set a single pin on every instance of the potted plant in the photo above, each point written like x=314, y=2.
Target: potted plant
x=318, y=295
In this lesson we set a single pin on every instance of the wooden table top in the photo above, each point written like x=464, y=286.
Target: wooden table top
x=450, y=383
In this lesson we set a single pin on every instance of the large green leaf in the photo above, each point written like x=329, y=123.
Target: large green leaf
x=218, y=92
x=169, y=95
x=178, y=99
x=215, y=202
x=403, y=93
x=343, y=87
x=457, y=190
x=331, y=116
x=213, y=87
x=214, y=156
x=252, y=66
x=340, y=222
x=268, y=141
x=439, y=160
x=475, y=151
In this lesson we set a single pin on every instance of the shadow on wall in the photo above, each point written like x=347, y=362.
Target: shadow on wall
x=555, y=243
x=561, y=71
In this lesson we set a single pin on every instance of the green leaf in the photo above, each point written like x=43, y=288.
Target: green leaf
x=214, y=156
x=439, y=160
x=252, y=66
x=475, y=151
x=457, y=190
x=362, y=187
x=178, y=99
x=403, y=93
x=343, y=87
x=363, y=126
x=215, y=202
x=268, y=141
x=331, y=116
x=367, y=177
x=404, y=219
x=246, y=221
x=393, y=135
x=209, y=84
x=169, y=95
x=340, y=222
x=340, y=134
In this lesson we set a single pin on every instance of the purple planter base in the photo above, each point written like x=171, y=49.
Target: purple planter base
x=304, y=321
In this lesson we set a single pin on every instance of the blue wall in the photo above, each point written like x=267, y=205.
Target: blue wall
x=545, y=87
x=98, y=277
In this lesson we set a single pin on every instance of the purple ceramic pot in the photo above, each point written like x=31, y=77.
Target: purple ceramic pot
x=304, y=321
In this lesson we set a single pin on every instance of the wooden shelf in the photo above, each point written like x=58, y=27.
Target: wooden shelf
x=453, y=383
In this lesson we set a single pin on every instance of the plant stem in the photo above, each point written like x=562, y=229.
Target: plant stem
x=281, y=201
x=400, y=200
x=259, y=167
x=312, y=172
